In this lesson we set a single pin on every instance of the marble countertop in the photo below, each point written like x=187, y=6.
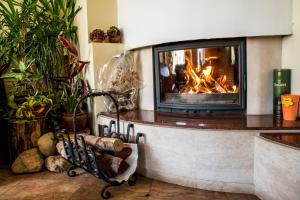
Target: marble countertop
x=291, y=139
x=223, y=122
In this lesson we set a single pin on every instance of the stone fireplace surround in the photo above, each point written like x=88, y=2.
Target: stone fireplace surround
x=216, y=158
x=263, y=55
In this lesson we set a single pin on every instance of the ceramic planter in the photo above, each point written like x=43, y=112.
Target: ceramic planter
x=290, y=104
x=115, y=39
x=81, y=121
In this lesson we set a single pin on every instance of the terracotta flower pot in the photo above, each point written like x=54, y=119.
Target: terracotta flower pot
x=81, y=121
x=290, y=106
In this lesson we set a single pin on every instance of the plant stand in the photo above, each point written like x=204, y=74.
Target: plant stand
x=24, y=136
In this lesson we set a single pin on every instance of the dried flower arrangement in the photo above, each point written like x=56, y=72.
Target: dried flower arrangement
x=97, y=35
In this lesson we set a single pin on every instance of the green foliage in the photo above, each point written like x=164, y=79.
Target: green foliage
x=71, y=95
x=31, y=54
x=27, y=80
x=31, y=28
x=33, y=106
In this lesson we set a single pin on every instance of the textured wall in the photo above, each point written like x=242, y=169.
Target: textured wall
x=276, y=171
x=206, y=159
x=263, y=55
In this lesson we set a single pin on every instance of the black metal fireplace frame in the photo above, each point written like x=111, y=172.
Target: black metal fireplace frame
x=203, y=108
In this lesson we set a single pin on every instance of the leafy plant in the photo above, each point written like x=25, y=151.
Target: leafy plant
x=71, y=95
x=33, y=107
x=73, y=87
x=31, y=30
x=3, y=53
x=27, y=81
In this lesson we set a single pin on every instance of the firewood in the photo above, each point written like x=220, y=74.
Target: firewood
x=61, y=150
x=125, y=153
x=109, y=164
x=117, y=165
x=104, y=143
x=219, y=88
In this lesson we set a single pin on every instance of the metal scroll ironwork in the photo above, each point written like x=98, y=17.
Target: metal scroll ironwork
x=82, y=156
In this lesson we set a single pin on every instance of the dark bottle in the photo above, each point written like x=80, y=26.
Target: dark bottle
x=281, y=85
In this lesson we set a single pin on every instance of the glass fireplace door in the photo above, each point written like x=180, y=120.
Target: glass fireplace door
x=201, y=76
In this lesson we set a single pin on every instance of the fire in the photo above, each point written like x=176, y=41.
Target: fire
x=207, y=71
x=203, y=80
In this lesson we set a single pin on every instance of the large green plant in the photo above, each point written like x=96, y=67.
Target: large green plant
x=29, y=28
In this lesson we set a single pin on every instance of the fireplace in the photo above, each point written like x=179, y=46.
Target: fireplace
x=201, y=76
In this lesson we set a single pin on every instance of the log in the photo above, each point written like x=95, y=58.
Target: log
x=111, y=165
x=61, y=150
x=104, y=143
x=125, y=153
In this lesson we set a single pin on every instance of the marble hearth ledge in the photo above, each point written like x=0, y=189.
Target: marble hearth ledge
x=218, y=153
x=216, y=122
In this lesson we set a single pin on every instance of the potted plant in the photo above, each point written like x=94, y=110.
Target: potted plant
x=70, y=97
x=114, y=34
x=31, y=30
x=97, y=35
x=26, y=98
x=26, y=106
x=73, y=88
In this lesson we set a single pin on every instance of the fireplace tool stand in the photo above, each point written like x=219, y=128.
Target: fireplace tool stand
x=82, y=156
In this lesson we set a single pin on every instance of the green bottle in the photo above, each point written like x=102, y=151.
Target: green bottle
x=281, y=85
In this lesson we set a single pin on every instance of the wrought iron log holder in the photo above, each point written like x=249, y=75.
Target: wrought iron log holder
x=82, y=156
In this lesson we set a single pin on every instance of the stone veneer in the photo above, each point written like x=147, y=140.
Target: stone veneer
x=276, y=170
x=221, y=160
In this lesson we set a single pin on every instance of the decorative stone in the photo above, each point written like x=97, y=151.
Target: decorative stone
x=47, y=144
x=57, y=164
x=28, y=161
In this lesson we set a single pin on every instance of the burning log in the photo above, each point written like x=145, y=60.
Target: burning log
x=201, y=80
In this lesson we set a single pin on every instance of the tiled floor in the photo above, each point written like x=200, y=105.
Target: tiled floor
x=46, y=185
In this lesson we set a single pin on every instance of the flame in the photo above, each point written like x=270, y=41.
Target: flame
x=201, y=80
x=234, y=88
x=207, y=71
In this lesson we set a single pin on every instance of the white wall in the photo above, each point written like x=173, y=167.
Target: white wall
x=147, y=22
x=81, y=21
x=291, y=49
